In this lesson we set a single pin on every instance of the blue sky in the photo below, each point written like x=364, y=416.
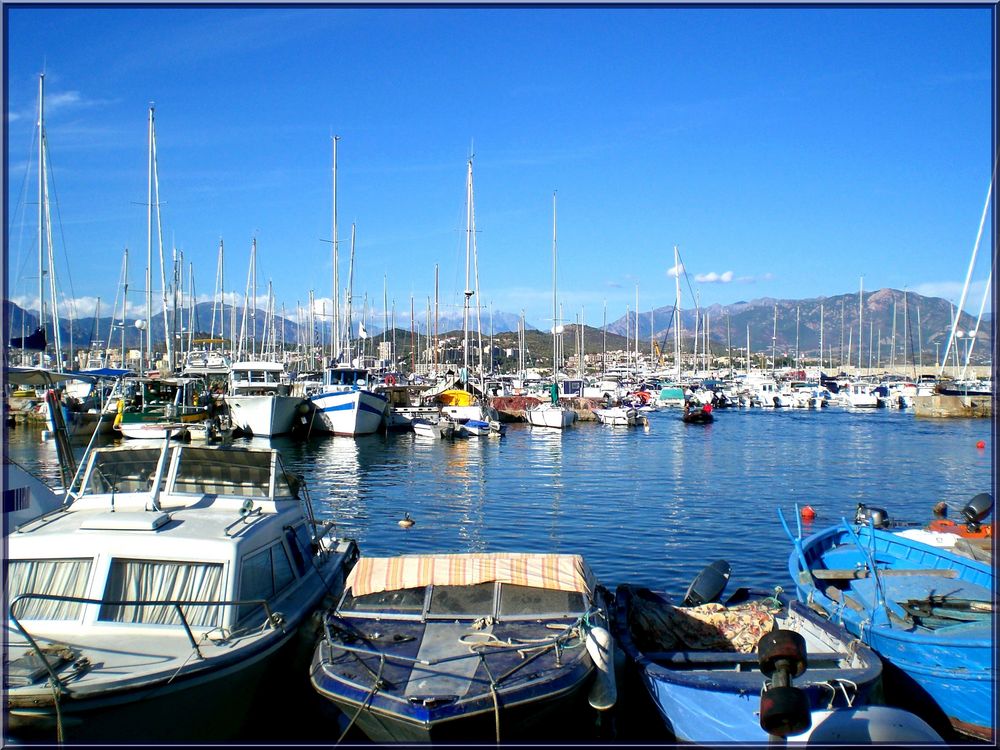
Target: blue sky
x=788, y=152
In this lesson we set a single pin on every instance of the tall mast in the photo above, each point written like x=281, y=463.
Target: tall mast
x=336, y=262
x=350, y=293
x=149, y=247
x=637, y=331
x=436, y=341
x=861, y=296
x=677, y=314
x=41, y=211
x=555, y=316
x=821, y=336
x=468, y=291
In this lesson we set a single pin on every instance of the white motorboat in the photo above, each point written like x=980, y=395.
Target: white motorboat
x=259, y=403
x=152, y=605
x=617, y=416
x=550, y=415
x=346, y=404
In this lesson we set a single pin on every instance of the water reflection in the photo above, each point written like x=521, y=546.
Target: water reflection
x=651, y=508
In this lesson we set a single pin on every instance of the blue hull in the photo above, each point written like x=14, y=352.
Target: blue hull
x=711, y=697
x=944, y=664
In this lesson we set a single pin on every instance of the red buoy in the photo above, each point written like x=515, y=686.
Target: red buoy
x=981, y=444
x=808, y=513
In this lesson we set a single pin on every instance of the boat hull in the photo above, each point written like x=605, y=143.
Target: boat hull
x=547, y=415
x=712, y=697
x=352, y=412
x=264, y=416
x=945, y=669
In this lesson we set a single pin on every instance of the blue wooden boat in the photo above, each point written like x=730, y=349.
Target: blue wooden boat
x=466, y=647
x=701, y=668
x=926, y=611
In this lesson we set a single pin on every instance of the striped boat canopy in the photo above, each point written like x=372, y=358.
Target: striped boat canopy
x=548, y=571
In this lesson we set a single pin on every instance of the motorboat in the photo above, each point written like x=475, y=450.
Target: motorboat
x=925, y=610
x=347, y=403
x=550, y=415
x=618, y=416
x=150, y=605
x=704, y=668
x=475, y=646
x=259, y=402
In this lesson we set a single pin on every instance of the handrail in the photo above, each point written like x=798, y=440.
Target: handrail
x=176, y=603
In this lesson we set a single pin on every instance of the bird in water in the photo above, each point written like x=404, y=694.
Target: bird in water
x=406, y=522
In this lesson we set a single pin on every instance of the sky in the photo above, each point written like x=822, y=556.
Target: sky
x=788, y=152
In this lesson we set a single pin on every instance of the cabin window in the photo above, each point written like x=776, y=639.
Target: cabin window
x=474, y=600
x=264, y=574
x=530, y=600
x=54, y=577
x=397, y=601
x=159, y=581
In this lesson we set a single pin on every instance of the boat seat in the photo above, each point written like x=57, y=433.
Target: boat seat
x=917, y=587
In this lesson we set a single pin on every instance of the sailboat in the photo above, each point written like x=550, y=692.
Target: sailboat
x=552, y=414
x=347, y=403
x=259, y=400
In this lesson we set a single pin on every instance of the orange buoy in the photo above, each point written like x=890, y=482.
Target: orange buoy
x=808, y=513
x=981, y=444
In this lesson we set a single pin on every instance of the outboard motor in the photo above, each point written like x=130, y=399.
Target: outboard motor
x=977, y=510
x=878, y=516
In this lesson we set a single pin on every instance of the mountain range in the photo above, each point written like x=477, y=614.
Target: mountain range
x=781, y=324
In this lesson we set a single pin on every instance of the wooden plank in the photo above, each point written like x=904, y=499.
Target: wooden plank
x=836, y=574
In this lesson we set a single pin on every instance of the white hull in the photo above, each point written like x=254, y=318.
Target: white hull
x=264, y=416
x=547, y=415
x=616, y=417
x=349, y=412
x=155, y=430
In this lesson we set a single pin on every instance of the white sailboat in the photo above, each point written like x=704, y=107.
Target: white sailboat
x=552, y=414
x=347, y=403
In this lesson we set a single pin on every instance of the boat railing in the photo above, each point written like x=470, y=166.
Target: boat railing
x=271, y=618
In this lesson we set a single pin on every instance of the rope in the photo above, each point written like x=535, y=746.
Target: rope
x=55, y=703
x=364, y=703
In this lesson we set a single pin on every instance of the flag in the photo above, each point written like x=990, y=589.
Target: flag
x=361, y=330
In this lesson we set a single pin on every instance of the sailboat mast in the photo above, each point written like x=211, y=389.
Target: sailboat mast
x=468, y=291
x=149, y=246
x=555, y=316
x=336, y=263
x=861, y=296
x=821, y=336
x=41, y=211
x=350, y=294
x=677, y=314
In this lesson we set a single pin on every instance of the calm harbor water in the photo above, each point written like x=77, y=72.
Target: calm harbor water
x=645, y=506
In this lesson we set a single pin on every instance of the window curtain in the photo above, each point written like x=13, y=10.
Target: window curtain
x=133, y=580
x=55, y=577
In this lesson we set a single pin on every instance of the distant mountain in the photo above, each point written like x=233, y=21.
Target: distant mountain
x=919, y=322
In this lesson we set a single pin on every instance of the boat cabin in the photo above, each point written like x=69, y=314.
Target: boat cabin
x=152, y=530
x=257, y=379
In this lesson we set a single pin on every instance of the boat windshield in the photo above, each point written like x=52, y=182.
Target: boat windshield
x=131, y=470
x=220, y=471
x=467, y=602
x=339, y=376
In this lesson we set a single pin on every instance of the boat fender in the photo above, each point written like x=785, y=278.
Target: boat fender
x=600, y=646
x=118, y=416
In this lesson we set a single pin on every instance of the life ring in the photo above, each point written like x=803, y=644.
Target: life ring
x=390, y=380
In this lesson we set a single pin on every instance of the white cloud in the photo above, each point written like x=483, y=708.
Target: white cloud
x=714, y=278
x=675, y=270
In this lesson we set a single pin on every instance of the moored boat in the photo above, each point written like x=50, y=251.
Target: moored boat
x=701, y=666
x=927, y=611
x=175, y=580
x=488, y=646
